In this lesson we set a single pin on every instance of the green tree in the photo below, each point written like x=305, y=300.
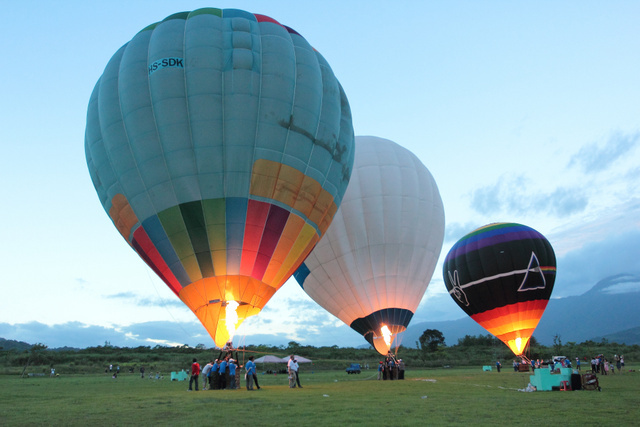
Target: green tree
x=557, y=344
x=293, y=347
x=430, y=340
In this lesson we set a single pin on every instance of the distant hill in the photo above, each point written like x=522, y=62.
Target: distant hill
x=22, y=346
x=608, y=310
x=629, y=336
x=13, y=345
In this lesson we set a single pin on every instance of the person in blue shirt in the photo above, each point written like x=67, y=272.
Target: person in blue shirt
x=222, y=372
x=250, y=366
x=214, y=376
x=231, y=384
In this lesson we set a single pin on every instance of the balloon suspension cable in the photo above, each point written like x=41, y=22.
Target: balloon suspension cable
x=526, y=352
x=162, y=302
x=395, y=351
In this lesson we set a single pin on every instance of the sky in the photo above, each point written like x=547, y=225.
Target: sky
x=523, y=112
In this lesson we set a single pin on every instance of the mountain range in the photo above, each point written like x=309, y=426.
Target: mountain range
x=609, y=310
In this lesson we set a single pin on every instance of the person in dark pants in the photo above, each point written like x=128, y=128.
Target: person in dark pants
x=195, y=374
x=293, y=372
x=222, y=374
x=295, y=362
x=214, y=376
x=498, y=365
x=255, y=377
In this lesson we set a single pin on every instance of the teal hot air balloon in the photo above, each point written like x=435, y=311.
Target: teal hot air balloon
x=220, y=144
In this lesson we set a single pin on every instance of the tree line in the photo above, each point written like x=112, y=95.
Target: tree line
x=430, y=351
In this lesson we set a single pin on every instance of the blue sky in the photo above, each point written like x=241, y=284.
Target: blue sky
x=523, y=112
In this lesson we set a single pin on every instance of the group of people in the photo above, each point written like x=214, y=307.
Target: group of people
x=391, y=369
x=223, y=374
x=599, y=365
x=602, y=366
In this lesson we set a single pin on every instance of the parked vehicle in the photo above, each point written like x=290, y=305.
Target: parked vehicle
x=354, y=368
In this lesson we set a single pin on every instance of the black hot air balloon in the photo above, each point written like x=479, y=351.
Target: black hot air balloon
x=502, y=276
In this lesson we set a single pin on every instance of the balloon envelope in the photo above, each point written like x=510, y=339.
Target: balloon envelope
x=374, y=264
x=502, y=276
x=220, y=144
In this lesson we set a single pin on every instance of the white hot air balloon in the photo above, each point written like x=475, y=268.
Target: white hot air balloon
x=373, y=266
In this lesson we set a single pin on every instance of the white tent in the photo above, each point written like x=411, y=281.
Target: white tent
x=300, y=359
x=269, y=359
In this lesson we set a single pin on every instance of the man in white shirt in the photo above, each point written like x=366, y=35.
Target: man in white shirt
x=292, y=366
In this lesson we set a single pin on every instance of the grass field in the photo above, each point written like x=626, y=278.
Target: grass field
x=425, y=397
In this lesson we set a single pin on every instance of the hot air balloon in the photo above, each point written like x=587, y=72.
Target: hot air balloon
x=502, y=276
x=374, y=264
x=220, y=144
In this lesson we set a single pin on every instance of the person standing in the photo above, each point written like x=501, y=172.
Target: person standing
x=206, y=371
x=255, y=374
x=231, y=384
x=498, y=365
x=578, y=363
x=380, y=369
x=292, y=366
x=297, y=368
x=195, y=374
x=213, y=375
x=251, y=369
x=222, y=374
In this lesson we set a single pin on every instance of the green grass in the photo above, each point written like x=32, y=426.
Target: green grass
x=425, y=397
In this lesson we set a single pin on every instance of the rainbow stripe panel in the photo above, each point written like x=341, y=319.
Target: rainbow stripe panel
x=233, y=236
x=502, y=275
